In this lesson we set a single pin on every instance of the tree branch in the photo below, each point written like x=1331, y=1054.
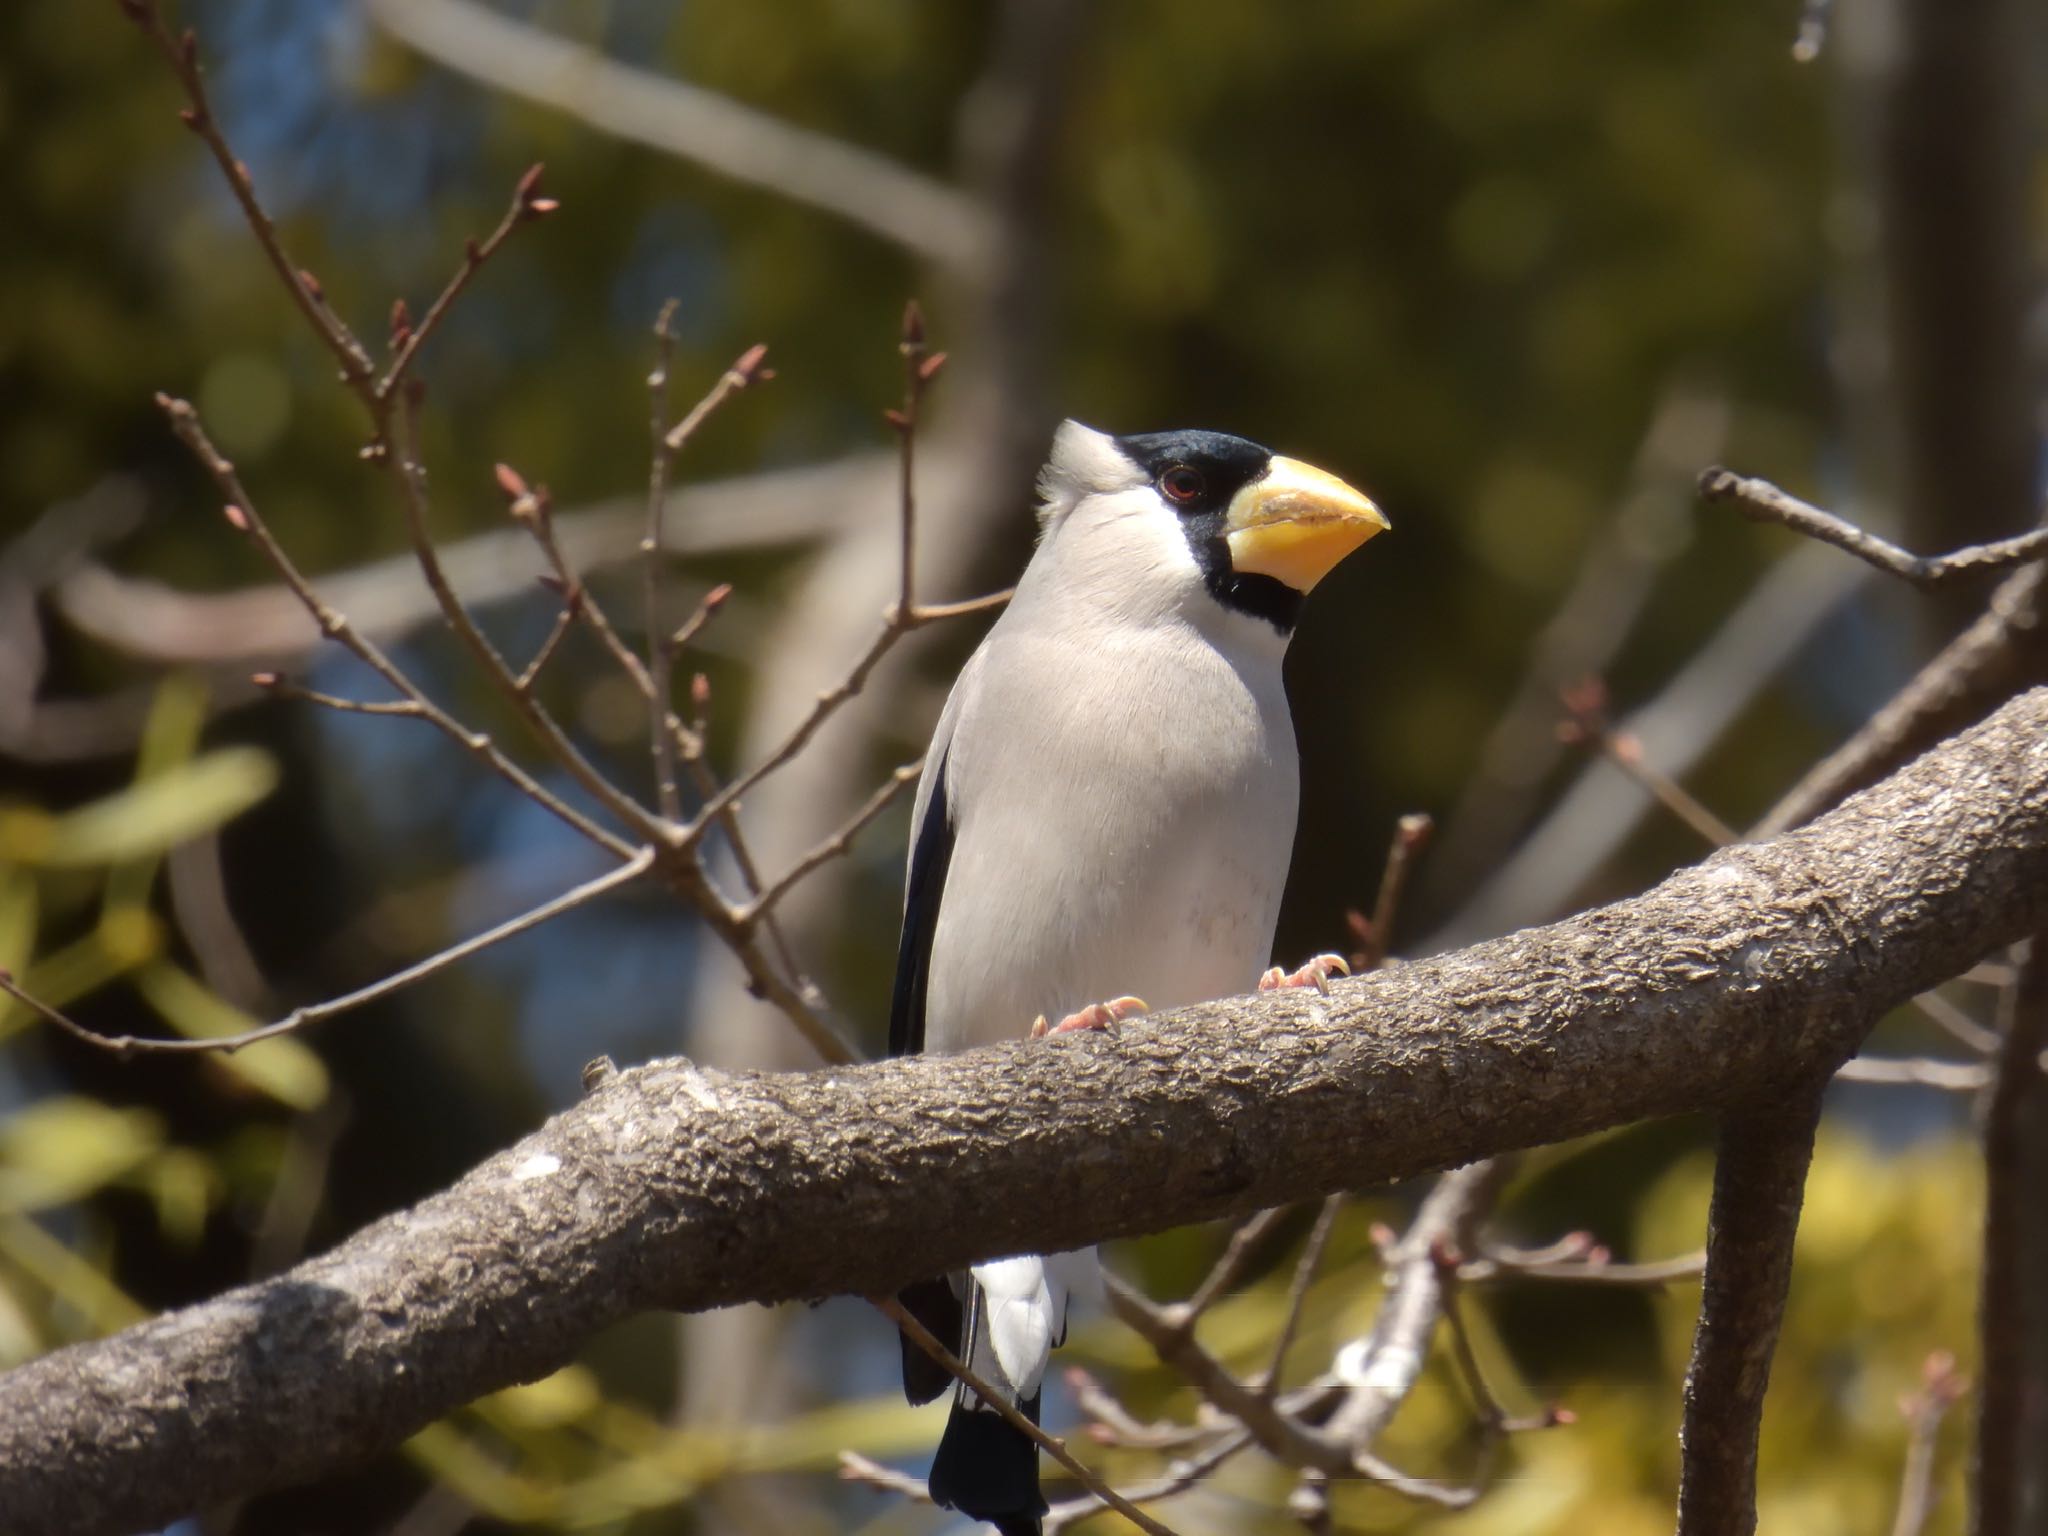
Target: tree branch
x=1759, y=1185
x=2010, y=1488
x=2003, y=651
x=1764, y=502
x=924, y=217
x=681, y=1188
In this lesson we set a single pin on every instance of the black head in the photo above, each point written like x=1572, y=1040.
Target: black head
x=1196, y=474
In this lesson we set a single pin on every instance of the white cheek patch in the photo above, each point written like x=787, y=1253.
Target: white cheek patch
x=1084, y=462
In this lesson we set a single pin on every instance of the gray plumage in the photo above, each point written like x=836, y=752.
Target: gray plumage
x=1107, y=808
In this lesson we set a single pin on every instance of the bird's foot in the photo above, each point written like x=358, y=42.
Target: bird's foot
x=1095, y=1016
x=1316, y=973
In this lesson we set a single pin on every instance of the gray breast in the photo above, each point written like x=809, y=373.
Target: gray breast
x=1124, y=810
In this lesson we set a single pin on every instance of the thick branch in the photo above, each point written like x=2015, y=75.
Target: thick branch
x=676, y=1187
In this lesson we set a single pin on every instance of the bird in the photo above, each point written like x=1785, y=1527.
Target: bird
x=1103, y=823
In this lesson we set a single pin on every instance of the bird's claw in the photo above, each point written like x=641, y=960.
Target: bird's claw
x=1316, y=973
x=1095, y=1016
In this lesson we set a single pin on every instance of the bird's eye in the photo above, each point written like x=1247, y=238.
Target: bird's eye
x=1181, y=484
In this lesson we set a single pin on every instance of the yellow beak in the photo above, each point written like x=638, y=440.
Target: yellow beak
x=1294, y=523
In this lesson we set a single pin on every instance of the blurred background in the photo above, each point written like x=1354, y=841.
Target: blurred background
x=1521, y=269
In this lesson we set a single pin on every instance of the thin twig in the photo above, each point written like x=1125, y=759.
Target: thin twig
x=902, y=617
x=313, y=1013
x=1111, y=1423
x=242, y=514
x=1494, y=1418
x=706, y=610
x=1584, y=1269
x=1957, y=1024
x=1390, y=1360
x=284, y=688
x=1916, y=1071
x=1941, y=1388
x=411, y=478
x=1586, y=702
x=668, y=442
x=790, y=989
x=922, y=1337
x=856, y=1468
x=1297, y=1290
x=182, y=53
x=2000, y=653
x=1229, y=1265
x=660, y=659
x=905, y=422
x=1766, y=503
x=835, y=845
x=1375, y=935
x=526, y=206
x=1181, y=1475
x=530, y=673
x=1277, y=1431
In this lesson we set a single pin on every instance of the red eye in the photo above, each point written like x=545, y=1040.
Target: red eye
x=1181, y=484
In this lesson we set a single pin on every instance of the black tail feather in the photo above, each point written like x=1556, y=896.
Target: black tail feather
x=988, y=1469
x=932, y=1303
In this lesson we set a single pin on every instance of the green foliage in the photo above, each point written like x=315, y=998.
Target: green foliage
x=1457, y=250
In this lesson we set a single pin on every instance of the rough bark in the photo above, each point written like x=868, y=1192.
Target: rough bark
x=676, y=1187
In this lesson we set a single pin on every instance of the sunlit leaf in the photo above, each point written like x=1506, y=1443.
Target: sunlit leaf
x=80, y=1290
x=562, y=1398
x=286, y=1069
x=18, y=911
x=58, y=1150
x=182, y=1185
x=162, y=812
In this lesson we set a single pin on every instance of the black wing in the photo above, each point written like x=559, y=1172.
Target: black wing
x=930, y=853
x=931, y=1302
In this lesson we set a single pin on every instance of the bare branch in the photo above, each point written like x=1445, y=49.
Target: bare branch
x=1780, y=613
x=407, y=338
x=386, y=598
x=2012, y=1313
x=1390, y=1361
x=902, y=617
x=411, y=476
x=242, y=515
x=1764, y=502
x=1580, y=1263
x=1297, y=1291
x=1182, y=1474
x=1586, y=703
x=836, y=845
x=675, y=1187
x=1941, y=1388
x=182, y=54
x=1229, y=1266
x=921, y=1336
x=314, y=1013
x=668, y=443
x=1375, y=934
x=1917, y=1071
x=2002, y=652
x=699, y=126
